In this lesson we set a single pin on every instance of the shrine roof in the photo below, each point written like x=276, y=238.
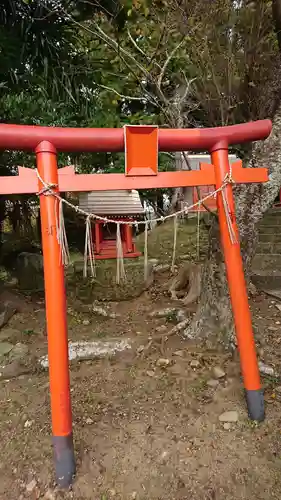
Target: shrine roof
x=122, y=203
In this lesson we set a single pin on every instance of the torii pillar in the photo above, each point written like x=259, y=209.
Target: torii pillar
x=141, y=145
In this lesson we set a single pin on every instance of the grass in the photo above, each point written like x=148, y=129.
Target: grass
x=160, y=247
x=161, y=240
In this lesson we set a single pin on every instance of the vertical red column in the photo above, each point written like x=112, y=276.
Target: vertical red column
x=128, y=237
x=55, y=297
x=97, y=240
x=238, y=291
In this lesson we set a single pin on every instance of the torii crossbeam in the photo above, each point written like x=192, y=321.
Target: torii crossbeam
x=141, y=145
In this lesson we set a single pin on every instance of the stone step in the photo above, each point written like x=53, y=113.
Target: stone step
x=270, y=221
x=264, y=229
x=267, y=279
x=262, y=262
x=269, y=238
x=274, y=212
x=269, y=247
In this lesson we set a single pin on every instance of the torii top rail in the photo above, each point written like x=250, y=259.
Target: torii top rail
x=27, y=137
x=141, y=150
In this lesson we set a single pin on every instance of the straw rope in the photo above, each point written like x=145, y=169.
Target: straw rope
x=49, y=190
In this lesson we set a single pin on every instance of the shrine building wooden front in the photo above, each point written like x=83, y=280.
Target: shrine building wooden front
x=117, y=206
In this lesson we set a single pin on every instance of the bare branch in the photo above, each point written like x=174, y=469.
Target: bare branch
x=158, y=44
x=106, y=38
x=122, y=96
x=170, y=56
x=140, y=50
x=187, y=89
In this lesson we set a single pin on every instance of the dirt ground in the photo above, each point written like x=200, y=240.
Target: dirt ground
x=141, y=431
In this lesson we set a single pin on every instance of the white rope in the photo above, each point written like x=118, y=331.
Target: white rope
x=175, y=244
x=185, y=210
x=198, y=232
x=48, y=189
x=231, y=231
x=228, y=180
x=89, y=254
x=146, y=251
x=61, y=235
x=120, y=268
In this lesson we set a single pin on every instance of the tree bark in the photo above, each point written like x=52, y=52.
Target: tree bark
x=214, y=313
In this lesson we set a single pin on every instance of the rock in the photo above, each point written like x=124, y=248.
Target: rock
x=85, y=350
x=273, y=329
x=212, y=383
x=14, y=369
x=140, y=349
x=278, y=389
x=7, y=310
x=5, y=348
x=218, y=372
x=86, y=322
x=227, y=426
x=163, y=362
x=229, y=416
x=9, y=334
x=195, y=363
x=261, y=352
x=153, y=262
x=164, y=313
x=134, y=495
x=50, y=495
x=18, y=352
x=29, y=271
x=181, y=316
x=266, y=370
x=30, y=487
x=20, y=304
x=28, y=423
x=112, y=492
x=161, y=268
x=179, y=327
x=101, y=311
x=161, y=329
x=179, y=353
x=150, y=373
x=89, y=421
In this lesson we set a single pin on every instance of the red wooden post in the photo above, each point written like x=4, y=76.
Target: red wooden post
x=56, y=320
x=98, y=236
x=238, y=291
x=128, y=237
x=141, y=174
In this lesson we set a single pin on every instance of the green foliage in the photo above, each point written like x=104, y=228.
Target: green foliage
x=65, y=64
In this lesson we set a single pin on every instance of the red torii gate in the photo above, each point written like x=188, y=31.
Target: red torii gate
x=141, y=145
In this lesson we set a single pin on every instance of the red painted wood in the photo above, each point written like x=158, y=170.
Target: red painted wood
x=141, y=150
x=26, y=182
x=235, y=277
x=56, y=319
x=27, y=137
x=106, y=248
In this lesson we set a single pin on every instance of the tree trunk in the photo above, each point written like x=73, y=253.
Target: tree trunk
x=177, y=192
x=214, y=315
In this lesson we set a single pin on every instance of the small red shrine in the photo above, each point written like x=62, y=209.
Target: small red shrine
x=118, y=206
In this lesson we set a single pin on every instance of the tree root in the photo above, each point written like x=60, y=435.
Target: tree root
x=188, y=279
